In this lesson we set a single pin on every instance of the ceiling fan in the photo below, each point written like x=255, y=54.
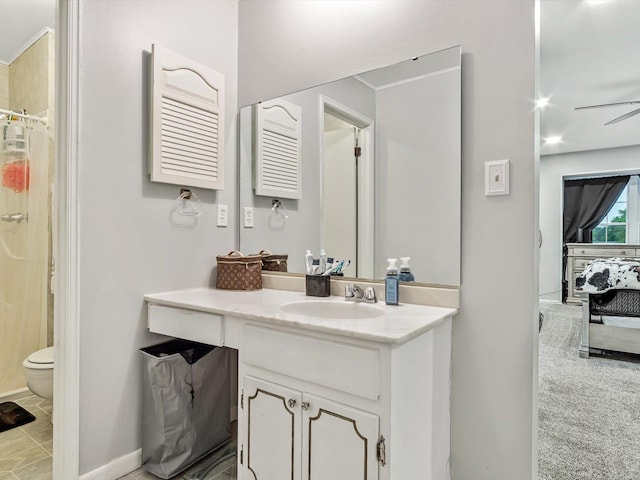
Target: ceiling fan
x=621, y=117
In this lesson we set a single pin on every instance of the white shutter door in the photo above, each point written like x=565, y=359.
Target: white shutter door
x=278, y=137
x=187, y=115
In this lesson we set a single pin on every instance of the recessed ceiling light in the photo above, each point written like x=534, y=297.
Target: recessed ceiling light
x=553, y=140
x=542, y=102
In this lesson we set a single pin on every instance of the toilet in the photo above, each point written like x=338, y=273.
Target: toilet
x=38, y=370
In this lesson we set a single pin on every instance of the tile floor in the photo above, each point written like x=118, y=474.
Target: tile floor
x=224, y=471
x=26, y=452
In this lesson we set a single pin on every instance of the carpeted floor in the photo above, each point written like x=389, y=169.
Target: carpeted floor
x=589, y=409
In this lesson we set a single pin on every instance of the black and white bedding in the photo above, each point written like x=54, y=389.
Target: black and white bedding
x=604, y=274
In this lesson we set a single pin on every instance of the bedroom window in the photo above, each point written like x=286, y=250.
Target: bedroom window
x=621, y=225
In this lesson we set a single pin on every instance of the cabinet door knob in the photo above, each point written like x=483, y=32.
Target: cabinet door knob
x=305, y=405
x=623, y=252
x=292, y=403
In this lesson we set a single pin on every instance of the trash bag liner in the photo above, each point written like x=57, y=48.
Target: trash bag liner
x=185, y=404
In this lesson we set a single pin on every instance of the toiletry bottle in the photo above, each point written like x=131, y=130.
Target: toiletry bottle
x=308, y=262
x=323, y=261
x=391, y=287
x=405, y=274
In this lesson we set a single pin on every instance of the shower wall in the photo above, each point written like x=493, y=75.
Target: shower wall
x=31, y=77
x=26, y=313
x=4, y=86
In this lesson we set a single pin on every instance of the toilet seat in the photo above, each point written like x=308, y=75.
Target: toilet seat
x=42, y=359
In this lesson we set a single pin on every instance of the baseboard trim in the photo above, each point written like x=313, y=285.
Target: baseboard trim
x=15, y=394
x=116, y=468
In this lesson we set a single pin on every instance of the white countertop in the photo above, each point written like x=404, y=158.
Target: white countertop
x=398, y=324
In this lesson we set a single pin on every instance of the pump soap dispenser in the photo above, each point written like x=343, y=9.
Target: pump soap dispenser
x=405, y=271
x=391, y=287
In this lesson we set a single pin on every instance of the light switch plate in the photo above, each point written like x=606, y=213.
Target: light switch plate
x=248, y=217
x=496, y=177
x=222, y=215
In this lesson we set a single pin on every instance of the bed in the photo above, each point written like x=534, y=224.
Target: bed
x=610, y=292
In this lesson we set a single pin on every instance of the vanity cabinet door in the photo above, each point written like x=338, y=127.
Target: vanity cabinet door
x=271, y=431
x=338, y=442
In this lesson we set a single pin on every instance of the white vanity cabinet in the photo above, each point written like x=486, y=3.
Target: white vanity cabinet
x=343, y=408
x=292, y=434
x=327, y=399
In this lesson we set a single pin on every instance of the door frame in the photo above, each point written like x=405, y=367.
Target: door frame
x=66, y=416
x=366, y=198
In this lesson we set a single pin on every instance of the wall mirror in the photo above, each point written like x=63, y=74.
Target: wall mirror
x=365, y=167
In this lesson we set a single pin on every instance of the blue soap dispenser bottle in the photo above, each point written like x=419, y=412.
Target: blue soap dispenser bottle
x=391, y=283
x=405, y=271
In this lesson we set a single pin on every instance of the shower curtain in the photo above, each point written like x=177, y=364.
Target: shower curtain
x=24, y=225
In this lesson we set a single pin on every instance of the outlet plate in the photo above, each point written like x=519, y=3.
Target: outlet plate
x=223, y=215
x=248, y=217
x=496, y=177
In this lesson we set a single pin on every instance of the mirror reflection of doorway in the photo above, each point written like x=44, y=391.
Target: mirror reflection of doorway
x=347, y=193
x=587, y=389
x=340, y=189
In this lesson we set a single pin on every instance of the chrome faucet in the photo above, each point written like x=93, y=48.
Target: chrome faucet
x=354, y=293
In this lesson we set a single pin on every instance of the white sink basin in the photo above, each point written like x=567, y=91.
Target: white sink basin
x=333, y=310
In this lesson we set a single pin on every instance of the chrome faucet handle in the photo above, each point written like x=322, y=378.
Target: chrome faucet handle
x=370, y=295
x=353, y=292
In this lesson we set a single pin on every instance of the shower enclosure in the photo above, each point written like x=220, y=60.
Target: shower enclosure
x=24, y=243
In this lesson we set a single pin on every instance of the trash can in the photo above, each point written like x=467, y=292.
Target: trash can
x=185, y=404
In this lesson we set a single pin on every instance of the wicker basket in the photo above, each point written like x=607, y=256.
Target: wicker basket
x=239, y=272
x=621, y=303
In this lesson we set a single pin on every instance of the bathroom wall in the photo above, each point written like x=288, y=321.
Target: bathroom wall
x=552, y=169
x=4, y=86
x=128, y=247
x=299, y=233
x=494, y=366
x=415, y=158
x=31, y=77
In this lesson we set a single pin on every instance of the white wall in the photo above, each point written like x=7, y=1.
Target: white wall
x=552, y=169
x=418, y=177
x=288, y=45
x=127, y=245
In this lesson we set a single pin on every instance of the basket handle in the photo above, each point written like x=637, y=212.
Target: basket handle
x=235, y=252
x=264, y=252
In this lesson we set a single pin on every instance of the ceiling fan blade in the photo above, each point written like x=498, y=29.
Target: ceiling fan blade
x=632, y=113
x=633, y=102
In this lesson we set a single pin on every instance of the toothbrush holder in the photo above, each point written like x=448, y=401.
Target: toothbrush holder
x=318, y=285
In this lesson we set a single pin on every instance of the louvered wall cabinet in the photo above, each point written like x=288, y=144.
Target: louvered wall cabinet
x=187, y=122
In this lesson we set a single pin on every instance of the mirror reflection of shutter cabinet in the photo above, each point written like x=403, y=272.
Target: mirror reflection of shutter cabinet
x=187, y=122
x=278, y=149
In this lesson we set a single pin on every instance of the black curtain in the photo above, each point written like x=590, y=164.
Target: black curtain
x=586, y=202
